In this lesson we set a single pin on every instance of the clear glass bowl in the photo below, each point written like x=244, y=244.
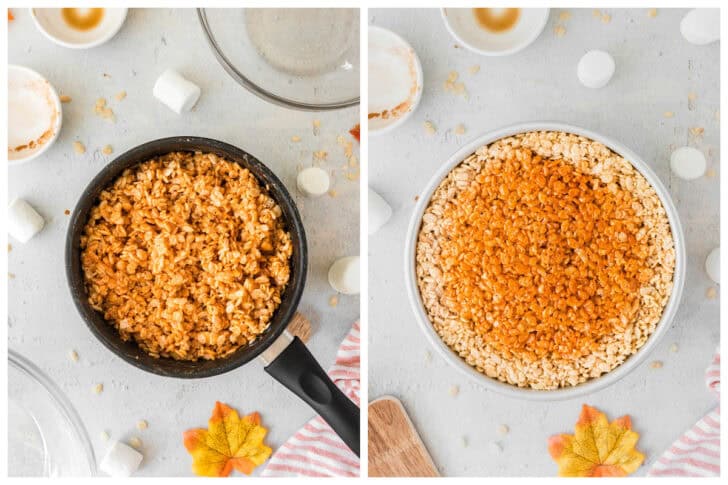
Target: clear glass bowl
x=305, y=59
x=46, y=437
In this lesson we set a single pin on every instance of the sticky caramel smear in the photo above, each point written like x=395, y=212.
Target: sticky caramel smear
x=497, y=19
x=83, y=18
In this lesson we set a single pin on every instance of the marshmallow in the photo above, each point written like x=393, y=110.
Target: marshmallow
x=121, y=460
x=379, y=212
x=688, y=163
x=701, y=26
x=23, y=221
x=712, y=265
x=595, y=69
x=313, y=181
x=176, y=92
x=344, y=275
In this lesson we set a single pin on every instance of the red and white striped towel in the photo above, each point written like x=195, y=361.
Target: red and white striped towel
x=315, y=450
x=697, y=452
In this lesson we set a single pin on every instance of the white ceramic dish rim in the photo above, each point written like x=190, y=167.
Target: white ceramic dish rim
x=506, y=52
x=418, y=95
x=592, y=385
x=59, y=120
x=87, y=45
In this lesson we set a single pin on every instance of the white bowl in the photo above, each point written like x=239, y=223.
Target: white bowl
x=591, y=385
x=395, y=77
x=461, y=24
x=50, y=23
x=28, y=90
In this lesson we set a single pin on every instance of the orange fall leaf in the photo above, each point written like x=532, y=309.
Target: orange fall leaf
x=597, y=448
x=229, y=442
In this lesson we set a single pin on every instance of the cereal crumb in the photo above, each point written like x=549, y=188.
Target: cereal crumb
x=657, y=364
x=142, y=425
x=333, y=301
x=103, y=111
x=67, y=212
x=295, y=139
x=316, y=127
x=559, y=31
x=332, y=193
x=697, y=131
x=454, y=391
x=430, y=127
x=105, y=436
x=459, y=129
x=652, y=13
x=10, y=247
x=711, y=293
x=596, y=12
x=503, y=429
x=120, y=95
x=107, y=150
x=417, y=197
x=474, y=69
x=98, y=388
x=79, y=147
x=73, y=355
x=710, y=173
x=135, y=442
x=668, y=114
x=11, y=276
x=320, y=155
x=564, y=16
x=606, y=18
x=65, y=98
x=674, y=348
x=454, y=87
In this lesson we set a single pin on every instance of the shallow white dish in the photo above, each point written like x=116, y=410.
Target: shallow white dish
x=34, y=113
x=50, y=23
x=526, y=393
x=463, y=26
x=395, y=79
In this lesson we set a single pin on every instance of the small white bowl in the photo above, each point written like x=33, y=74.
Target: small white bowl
x=591, y=385
x=463, y=26
x=35, y=114
x=49, y=21
x=395, y=79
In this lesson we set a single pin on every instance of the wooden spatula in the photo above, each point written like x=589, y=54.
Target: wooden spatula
x=395, y=447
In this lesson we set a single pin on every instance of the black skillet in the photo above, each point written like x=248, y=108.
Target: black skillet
x=287, y=358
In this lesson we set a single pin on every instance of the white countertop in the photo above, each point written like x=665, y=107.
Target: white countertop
x=656, y=70
x=43, y=323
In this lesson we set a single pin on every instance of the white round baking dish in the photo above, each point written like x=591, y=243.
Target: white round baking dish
x=591, y=385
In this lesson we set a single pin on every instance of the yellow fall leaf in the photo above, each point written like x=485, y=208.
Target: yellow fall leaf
x=229, y=442
x=597, y=448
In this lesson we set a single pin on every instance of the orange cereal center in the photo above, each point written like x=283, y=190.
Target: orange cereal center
x=541, y=259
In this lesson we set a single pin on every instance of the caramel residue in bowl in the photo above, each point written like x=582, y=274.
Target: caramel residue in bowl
x=83, y=19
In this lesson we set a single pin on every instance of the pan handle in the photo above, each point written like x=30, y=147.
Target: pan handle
x=299, y=371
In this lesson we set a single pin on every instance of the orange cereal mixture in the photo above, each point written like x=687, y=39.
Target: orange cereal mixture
x=545, y=260
x=187, y=255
